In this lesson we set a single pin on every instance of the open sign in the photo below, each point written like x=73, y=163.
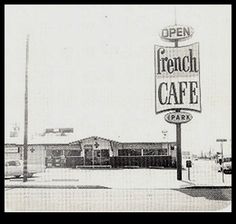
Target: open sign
x=176, y=32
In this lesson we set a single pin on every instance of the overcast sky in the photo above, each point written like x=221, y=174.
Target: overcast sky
x=91, y=68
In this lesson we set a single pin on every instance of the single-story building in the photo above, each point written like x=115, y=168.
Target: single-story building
x=96, y=151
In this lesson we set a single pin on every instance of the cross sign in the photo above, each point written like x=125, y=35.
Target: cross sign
x=96, y=144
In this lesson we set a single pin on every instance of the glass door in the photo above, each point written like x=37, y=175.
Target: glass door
x=88, y=156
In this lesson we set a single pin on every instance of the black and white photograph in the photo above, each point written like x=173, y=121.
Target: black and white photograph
x=117, y=108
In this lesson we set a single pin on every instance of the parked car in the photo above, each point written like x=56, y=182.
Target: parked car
x=15, y=168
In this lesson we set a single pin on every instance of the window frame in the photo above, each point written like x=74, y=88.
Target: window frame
x=129, y=152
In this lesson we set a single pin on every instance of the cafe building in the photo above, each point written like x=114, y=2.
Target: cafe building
x=96, y=151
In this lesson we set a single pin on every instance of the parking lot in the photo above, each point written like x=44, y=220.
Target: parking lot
x=66, y=189
x=202, y=172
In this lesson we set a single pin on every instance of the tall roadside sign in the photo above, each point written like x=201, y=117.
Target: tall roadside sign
x=177, y=80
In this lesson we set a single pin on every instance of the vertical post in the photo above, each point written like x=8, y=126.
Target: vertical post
x=25, y=157
x=100, y=157
x=178, y=142
x=175, y=16
x=93, y=156
x=222, y=156
x=188, y=173
x=179, y=154
x=222, y=164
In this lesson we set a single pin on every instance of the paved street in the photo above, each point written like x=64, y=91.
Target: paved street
x=127, y=190
x=117, y=200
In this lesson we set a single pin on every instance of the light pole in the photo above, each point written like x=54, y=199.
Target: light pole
x=222, y=155
x=26, y=114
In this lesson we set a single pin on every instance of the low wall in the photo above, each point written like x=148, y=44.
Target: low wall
x=142, y=161
x=122, y=161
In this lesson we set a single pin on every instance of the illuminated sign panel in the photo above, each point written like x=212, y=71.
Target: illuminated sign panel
x=177, y=78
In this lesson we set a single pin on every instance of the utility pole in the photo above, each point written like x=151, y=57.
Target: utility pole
x=25, y=173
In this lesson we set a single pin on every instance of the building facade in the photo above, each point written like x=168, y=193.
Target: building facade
x=97, y=151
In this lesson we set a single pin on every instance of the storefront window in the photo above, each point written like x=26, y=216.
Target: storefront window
x=54, y=153
x=57, y=153
x=129, y=152
x=105, y=153
x=73, y=153
x=163, y=152
x=154, y=152
x=151, y=152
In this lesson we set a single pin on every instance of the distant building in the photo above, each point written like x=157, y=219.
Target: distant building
x=58, y=131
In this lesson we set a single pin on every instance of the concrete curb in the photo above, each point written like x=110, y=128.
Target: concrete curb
x=103, y=187
x=208, y=187
x=59, y=186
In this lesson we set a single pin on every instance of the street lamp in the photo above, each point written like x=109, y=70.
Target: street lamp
x=164, y=132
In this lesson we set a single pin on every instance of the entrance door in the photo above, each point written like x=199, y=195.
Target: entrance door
x=88, y=155
x=101, y=157
x=105, y=157
x=96, y=156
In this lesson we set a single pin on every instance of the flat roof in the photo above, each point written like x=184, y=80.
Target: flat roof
x=65, y=140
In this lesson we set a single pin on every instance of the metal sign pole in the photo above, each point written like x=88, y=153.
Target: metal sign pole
x=178, y=142
x=179, y=154
x=26, y=114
